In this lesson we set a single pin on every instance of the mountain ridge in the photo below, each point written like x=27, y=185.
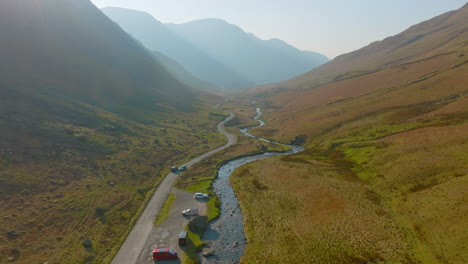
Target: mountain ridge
x=246, y=53
x=390, y=49
x=157, y=37
x=242, y=54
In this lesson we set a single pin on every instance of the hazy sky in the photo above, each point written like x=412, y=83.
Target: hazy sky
x=331, y=27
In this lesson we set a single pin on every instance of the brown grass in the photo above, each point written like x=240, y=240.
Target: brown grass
x=382, y=179
x=303, y=214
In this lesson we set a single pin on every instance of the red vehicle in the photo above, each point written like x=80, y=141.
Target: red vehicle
x=164, y=253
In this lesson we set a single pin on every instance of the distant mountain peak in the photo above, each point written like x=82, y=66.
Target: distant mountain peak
x=222, y=53
x=126, y=11
x=212, y=24
x=212, y=20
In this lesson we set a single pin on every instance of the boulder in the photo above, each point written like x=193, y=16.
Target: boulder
x=208, y=252
x=198, y=224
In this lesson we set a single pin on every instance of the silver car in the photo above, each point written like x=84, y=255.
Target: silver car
x=199, y=195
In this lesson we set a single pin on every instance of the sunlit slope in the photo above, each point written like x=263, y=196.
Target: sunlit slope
x=442, y=34
x=434, y=67
x=383, y=177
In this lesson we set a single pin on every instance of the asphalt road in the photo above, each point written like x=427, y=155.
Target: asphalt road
x=135, y=243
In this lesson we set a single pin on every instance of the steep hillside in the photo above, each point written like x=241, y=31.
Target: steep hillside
x=442, y=34
x=89, y=122
x=259, y=60
x=108, y=69
x=305, y=58
x=182, y=74
x=435, y=61
x=383, y=174
x=157, y=37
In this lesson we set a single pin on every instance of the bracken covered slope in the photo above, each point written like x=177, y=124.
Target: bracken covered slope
x=383, y=177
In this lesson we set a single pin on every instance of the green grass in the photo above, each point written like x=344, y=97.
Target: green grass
x=213, y=204
x=194, y=246
x=360, y=154
x=164, y=213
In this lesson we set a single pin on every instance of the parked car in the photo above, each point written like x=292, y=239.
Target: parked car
x=164, y=253
x=183, y=167
x=174, y=169
x=200, y=195
x=190, y=212
x=183, y=238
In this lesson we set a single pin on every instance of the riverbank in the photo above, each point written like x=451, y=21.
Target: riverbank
x=225, y=234
x=201, y=175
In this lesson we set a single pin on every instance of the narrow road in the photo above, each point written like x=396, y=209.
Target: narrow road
x=136, y=239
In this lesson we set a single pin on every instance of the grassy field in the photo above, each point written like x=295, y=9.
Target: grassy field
x=390, y=198
x=92, y=183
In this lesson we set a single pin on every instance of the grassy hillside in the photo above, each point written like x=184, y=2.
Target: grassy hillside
x=67, y=179
x=443, y=34
x=382, y=178
x=89, y=124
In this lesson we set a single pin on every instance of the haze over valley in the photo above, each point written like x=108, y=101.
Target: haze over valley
x=216, y=51
x=119, y=133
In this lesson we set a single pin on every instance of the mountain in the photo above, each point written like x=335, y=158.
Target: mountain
x=89, y=122
x=216, y=51
x=259, y=60
x=157, y=37
x=442, y=33
x=385, y=133
x=179, y=72
x=110, y=69
x=303, y=57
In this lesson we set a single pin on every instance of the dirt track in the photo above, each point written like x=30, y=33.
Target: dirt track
x=136, y=243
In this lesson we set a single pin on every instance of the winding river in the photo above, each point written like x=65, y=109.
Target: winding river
x=226, y=234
